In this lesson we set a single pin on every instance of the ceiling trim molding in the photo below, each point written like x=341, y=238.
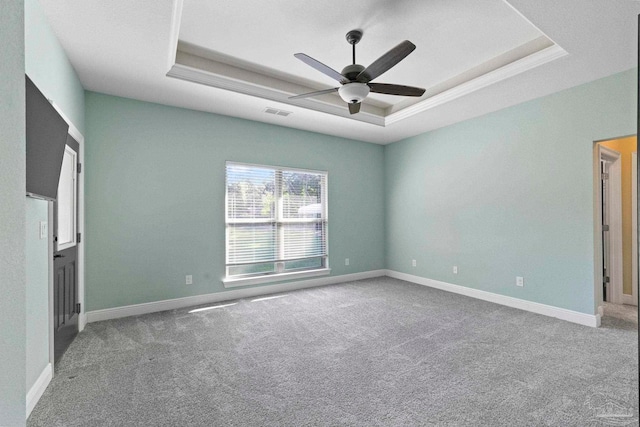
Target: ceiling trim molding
x=520, y=66
x=174, y=34
x=196, y=75
x=223, y=80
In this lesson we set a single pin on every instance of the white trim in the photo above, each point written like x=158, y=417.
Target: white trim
x=75, y=133
x=196, y=75
x=276, y=167
x=527, y=63
x=50, y=284
x=246, y=281
x=597, y=230
x=82, y=321
x=197, y=67
x=35, y=392
x=174, y=33
x=534, y=307
x=615, y=222
x=633, y=298
x=615, y=180
x=172, y=304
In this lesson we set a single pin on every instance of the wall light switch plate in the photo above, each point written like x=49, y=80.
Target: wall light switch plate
x=455, y=269
x=413, y=262
x=44, y=228
x=346, y=261
x=189, y=279
x=519, y=281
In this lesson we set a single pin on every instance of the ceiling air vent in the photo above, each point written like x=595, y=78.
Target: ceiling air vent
x=277, y=112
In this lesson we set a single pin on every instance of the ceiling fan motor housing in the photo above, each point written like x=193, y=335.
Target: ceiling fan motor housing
x=353, y=93
x=352, y=71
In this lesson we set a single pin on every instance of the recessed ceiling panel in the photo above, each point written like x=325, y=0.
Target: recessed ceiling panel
x=452, y=37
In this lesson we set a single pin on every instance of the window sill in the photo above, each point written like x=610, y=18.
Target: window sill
x=257, y=280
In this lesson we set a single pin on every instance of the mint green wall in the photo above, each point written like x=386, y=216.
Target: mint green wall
x=155, y=196
x=47, y=65
x=12, y=215
x=508, y=194
x=37, y=292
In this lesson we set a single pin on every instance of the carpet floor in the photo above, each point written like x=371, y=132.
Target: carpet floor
x=378, y=352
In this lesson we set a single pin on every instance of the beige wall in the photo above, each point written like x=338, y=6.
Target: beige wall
x=625, y=146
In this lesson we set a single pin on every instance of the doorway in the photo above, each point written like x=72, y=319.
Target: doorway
x=616, y=222
x=66, y=307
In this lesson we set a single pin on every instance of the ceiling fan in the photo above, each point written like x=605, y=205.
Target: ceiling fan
x=356, y=79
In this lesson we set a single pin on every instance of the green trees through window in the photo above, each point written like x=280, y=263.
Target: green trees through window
x=276, y=219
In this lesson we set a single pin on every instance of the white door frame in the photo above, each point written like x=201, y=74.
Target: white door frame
x=82, y=319
x=633, y=298
x=615, y=225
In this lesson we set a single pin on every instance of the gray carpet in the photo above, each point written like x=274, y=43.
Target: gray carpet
x=379, y=352
x=623, y=312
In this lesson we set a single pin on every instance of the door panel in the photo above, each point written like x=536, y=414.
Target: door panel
x=65, y=256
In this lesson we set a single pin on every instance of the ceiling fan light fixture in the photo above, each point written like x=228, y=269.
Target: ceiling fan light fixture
x=356, y=79
x=352, y=93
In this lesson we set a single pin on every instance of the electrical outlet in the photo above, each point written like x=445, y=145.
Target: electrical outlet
x=346, y=261
x=413, y=262
x=189, y=279
x=519, y=281
x=455, y=269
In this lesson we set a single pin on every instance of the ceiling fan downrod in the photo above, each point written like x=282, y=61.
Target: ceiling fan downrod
x=353, y=37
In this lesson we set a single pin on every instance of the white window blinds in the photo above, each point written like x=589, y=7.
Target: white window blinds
x=276, y=219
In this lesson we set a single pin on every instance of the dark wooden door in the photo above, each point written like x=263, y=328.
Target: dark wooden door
x=65, y=259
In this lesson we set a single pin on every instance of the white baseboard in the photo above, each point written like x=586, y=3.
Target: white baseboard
x=152, y=307
x=35, y=392
x=82, y=321
x=629, y=299
x=534, y=307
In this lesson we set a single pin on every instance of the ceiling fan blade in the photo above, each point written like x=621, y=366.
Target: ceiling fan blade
x=386, y=61
x=354, y=108
x=390, y=89
x=316, y=93
x=320, y=67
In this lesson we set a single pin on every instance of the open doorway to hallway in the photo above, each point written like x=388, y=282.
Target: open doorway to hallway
x=616, y=228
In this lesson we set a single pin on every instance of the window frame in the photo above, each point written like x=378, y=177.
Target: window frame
x=278, y=273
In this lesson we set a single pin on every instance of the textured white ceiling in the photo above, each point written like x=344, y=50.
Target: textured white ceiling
x=451, y=36
x=125, y=48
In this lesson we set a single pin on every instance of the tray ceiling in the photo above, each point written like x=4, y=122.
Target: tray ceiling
x=236, y=58
x=458, y=43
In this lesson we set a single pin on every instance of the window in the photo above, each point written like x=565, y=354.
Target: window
x=276, y=223
x=67, y=201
